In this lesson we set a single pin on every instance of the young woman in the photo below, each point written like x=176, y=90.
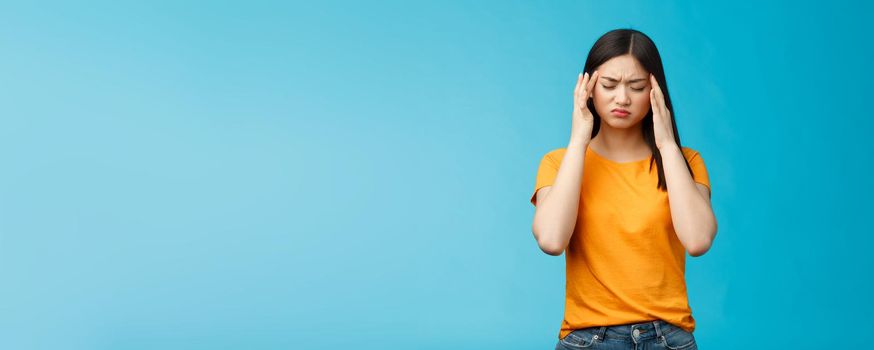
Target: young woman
x=626, y=202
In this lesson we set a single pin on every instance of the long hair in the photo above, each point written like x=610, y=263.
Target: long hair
x=620, y=42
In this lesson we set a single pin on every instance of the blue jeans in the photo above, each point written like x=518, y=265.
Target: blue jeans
x=636, y=336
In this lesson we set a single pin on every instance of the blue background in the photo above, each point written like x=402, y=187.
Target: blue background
x=217, y=175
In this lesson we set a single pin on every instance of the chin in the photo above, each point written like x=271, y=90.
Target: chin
x=620, y=123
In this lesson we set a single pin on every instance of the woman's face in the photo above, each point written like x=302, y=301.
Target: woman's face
x=622, y=84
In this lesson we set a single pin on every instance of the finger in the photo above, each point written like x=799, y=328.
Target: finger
x=654, y=84
x=661, y=99
x=581, y=91
x=658, y=96
x=654, y=105
x=590, y=85
x=584, y=90
x=658, y=109
x=658, y=89
x=653, y=101
x=579, y=83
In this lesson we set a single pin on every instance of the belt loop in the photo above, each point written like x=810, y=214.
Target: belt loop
x=601, y=332
x=657, y=328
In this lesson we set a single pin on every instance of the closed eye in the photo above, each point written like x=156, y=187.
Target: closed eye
x=611, y=88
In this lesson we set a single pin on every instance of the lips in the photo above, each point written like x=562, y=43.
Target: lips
x=621, y=112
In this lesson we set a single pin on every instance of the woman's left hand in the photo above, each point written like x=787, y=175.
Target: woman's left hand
x=663, y=130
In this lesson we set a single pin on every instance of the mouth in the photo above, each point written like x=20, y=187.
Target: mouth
x=619, y=112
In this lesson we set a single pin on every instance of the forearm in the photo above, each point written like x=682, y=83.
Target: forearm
x=556, y=216
x=691, y=213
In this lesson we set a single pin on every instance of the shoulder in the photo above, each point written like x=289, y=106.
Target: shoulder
x=555, y=156
x=690, y=153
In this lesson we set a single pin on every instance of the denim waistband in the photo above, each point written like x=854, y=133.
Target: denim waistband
x=644, y=330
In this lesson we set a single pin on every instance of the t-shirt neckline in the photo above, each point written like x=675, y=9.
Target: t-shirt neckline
x=590, y=150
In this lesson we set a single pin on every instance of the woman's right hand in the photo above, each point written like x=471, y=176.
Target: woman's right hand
x=583, y=121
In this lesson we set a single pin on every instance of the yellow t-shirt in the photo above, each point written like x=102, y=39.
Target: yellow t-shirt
x=624, y=262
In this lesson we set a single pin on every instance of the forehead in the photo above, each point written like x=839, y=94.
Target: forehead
x=622, y=67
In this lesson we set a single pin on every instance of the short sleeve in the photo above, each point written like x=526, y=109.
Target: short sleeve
x=699, y=171
x=545, y=173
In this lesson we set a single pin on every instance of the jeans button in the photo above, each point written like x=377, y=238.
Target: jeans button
x=636, y=333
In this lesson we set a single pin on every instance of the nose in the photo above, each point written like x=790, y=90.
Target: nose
x=622, y=97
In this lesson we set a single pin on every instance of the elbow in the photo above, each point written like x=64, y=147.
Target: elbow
x=703, y=243
x=546, y=245
x=699, y=248
x=551, y=249
x=697, y=251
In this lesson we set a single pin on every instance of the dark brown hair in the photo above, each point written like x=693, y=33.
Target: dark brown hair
x=620, y=42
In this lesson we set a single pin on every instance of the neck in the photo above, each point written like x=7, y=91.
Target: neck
x=620, y=141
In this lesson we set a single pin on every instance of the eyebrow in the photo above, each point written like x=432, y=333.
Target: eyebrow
x=632, y=81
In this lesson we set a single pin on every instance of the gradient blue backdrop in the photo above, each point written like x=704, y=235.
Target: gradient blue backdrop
x=265, y=175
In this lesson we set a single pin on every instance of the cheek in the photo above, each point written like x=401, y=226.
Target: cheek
x=602, y=95
x=642, y=104
x=643, y=100
x=599, y=91
x=601, y=100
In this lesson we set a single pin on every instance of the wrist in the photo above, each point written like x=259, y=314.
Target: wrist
x=579, y=141
x=667, y=146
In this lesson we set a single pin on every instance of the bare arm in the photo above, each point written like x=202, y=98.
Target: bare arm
x=691, y=212
x=557, y=206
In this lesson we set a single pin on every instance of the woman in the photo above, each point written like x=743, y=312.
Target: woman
x=626, y=201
